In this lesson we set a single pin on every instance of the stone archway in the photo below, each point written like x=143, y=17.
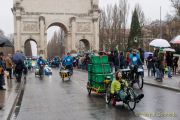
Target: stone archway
x=29, y=48
x=79, y=22
x=57, y=38
x=84, y=45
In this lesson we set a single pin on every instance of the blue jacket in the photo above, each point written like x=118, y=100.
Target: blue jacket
x=40, y=62
x=135, y=60
x=67, y=60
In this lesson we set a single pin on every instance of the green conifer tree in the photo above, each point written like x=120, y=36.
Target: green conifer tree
x=135, y=32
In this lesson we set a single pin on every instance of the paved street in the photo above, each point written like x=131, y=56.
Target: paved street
x=52, y=99
x=7, y=97
x=95, y=36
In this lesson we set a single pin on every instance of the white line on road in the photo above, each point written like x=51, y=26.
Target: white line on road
x=146, y=118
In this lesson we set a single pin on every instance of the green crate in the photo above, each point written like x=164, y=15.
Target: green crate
x=89, y=67
x=101, y=77
x=89, y=76
x=103, y=68
x=99, y=59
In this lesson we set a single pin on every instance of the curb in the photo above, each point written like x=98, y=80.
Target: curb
x=16, y=100
x=162, y=86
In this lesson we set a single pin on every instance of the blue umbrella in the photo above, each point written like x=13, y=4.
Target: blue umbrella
x=17, y=57
x=146, y=54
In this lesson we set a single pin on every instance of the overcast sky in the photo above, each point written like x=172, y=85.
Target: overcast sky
x=151, y=9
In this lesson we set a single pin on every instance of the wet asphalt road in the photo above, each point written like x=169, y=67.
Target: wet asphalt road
x=52, y=99
x=7, y=97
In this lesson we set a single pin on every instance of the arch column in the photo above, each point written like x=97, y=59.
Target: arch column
x=18, y=37
x=73, y=40
x=68, y=43
x=96, y=34
x=42, y=50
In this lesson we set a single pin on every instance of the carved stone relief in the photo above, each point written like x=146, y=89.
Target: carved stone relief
x=30, y=26
x=83, y=27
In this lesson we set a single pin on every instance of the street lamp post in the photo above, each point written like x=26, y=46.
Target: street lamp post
x=160, y=24
x=124, y=26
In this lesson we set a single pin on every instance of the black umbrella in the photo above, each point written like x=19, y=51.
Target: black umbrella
x=5, y=42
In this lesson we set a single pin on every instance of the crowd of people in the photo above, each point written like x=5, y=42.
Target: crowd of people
x=5, y=65
x=160, y=63
x=117, y=60
x=12, y=66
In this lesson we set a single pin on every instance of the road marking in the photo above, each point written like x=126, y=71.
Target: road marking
x=146, y=118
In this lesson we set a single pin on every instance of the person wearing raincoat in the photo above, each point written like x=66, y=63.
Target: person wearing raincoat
x=116, y=87
x=18, y=59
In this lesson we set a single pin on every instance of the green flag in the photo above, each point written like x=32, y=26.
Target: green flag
x=117, y=48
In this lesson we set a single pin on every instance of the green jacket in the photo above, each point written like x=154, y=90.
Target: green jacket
x=116, y=86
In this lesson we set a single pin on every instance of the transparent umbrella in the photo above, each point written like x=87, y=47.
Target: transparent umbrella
x=169, y=50
x=162, y=43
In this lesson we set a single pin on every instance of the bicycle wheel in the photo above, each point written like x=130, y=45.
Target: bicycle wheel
x=129, y=79
x=131, y=100
x=89, y=88
x=140, y=81
x=41, y=73
x=108, y=94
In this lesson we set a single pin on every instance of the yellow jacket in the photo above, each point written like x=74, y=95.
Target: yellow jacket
x=116, y=86
x=1, y=71
x=8, y=63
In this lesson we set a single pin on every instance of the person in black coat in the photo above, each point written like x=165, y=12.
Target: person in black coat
x=2, y=68
x=175, y=64
x=150, y=65
x=111, y=60
x=122, y=60
x=169, y=61
x=116, y=61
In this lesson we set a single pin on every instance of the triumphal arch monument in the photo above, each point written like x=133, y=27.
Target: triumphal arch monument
x=78, y=18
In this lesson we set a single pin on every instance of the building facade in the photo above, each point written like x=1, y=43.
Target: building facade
x=78, y=18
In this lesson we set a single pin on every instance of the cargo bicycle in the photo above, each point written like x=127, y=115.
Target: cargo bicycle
x=65, y=73
x=99, y=75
